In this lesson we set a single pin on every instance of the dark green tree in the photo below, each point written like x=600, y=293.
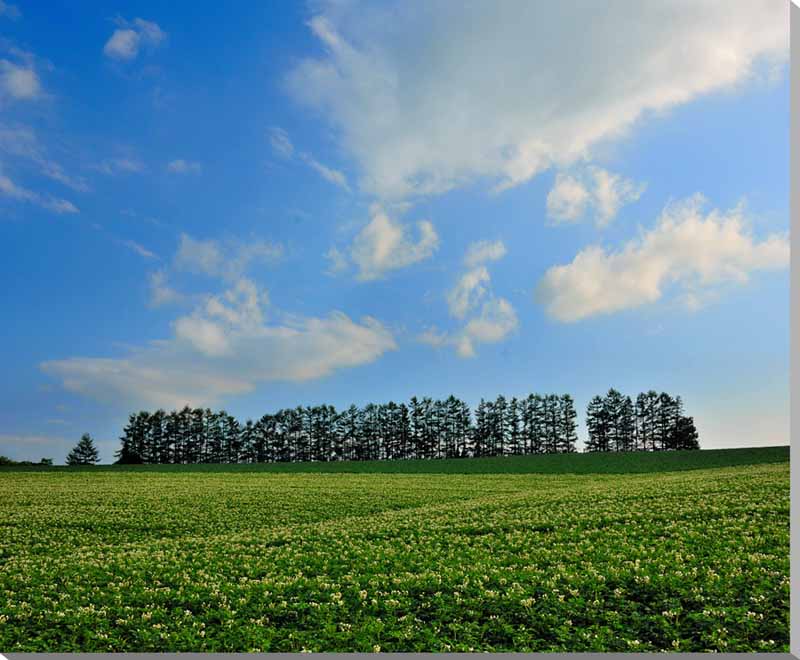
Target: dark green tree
x=684, y=435
x=597, y=426
x=84, y=453
x=567, y=432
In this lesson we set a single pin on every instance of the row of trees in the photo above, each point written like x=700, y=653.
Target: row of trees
x=6, y=461
x=655, y=422
x=425, y=428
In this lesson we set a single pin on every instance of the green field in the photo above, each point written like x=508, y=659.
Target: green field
x=592, y=463
x=221, y=558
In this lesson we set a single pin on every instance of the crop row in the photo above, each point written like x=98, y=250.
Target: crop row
x=244, y=562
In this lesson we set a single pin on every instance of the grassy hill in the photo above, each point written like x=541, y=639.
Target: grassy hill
x=594, y=463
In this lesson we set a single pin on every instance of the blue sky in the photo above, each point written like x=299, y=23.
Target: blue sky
x=342, y=202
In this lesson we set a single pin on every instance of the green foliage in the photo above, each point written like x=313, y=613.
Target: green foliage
x=84, y=453
x=139, y=559
x=6, y=461
x=126, y=456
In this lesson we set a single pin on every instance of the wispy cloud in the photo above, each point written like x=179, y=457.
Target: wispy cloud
x=161, y=293
x=10, y=189
x=229, y=259
x=573, y=194
x=124, y=165
x=282, y=147
x=496, y=318
x=482, y=252
x=329, y=174
x=337, y=261
x=21, y=141
x=280, y=142
x=138, y=249
x=181, y=166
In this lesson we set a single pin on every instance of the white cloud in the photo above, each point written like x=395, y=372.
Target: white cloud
x=205, y=336
x=224, y=347
x=473, y=285
x=239, y=305
x=112, y=166
x=596, y=188
x=424, y=102
x=338, y=261
x=55, y=172
x=138, y=249
x=198, y=256
x=497, y=318
x=253, y=251
x=385, y=245
x=482, y=252
x=126, y=41
x=611, y=192
x=282, y=147
x=21, y=141
x=227, y=260
x=469, y=290
x=161, y=293
x=496, y=321
x=281, y=143
x=686, y=248
x=150, y=32
x=122, y=45
x=333, y=176
x=567, y=199
x=57, y=205
x=434, y=337
x=10, y=189
x=180, y=166
x=19, y=81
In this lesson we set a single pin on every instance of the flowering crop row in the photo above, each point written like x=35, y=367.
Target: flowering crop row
x=132, y=561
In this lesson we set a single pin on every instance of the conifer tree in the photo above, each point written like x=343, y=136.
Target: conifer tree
x=567, y=436
x=512, y=427
x=684, y=435
x=626, y=440
x=596, y=425
x=84, y=453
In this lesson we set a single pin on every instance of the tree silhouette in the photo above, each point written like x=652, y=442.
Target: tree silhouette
x=84, y=453
x=424, y=428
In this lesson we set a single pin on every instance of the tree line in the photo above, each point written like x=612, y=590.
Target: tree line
x=6, y=461
x=654, y=422
x=425, y=428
